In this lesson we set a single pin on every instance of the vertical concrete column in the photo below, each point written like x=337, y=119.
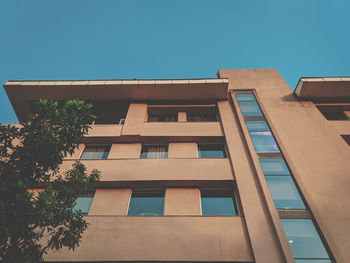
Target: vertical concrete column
x=183, y=150
x=259, y=226
x=182, y=202
x=135, y=118
x=181, y=116
x=125, y=151
x=110, y=202
x=77, y=152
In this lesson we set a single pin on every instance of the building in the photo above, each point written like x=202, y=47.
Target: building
x=233, y=169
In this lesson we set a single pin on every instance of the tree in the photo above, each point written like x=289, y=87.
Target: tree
x=31, y=224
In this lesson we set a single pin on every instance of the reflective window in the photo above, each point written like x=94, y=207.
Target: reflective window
x=257, y=126
x=95, y=152
x=284, y=192
x=250, y=108
x=274, y=166
x=211, y=151
x=264, y=142
x=216, y=202
x=146, y=203
x=313, y=261
x=154, y=151
x=248, y=96
x=83, y=204
x=304, y=240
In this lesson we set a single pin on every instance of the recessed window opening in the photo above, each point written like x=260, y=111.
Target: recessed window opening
x=334, y=113
x=211, y=150
x=216, y=202
x=110, y=112
x=95, y=152
x=146, y=203
x=83, y=203
x=149, y=151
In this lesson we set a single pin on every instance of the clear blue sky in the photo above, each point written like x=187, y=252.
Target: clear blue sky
x=101, y=39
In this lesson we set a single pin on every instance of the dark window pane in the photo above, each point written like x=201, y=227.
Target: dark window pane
x=218, y=203
x=162, y=118
x=250, y=108
x=257, y=126
x=211, y=151
x=95, y=152
x=303, y=239
x=274, y=166
x=205, y=117
x=83, y=204
x=245, y=97
x=154, y=151
x=334, y=115
x=146, y=203
x=284, y=192
x=264, y=142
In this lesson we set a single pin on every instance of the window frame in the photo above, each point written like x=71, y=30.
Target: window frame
x=224, y=151
x=148, y=191
x=109, y=146
x=150, y=144
x=233, y=194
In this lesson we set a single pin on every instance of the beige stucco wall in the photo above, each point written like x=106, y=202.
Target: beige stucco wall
x=317, y=155
x=158, y=169
x=168, y=238
x=183, y=150
x=110, y=202
x=136, y=116
x=125, y=151
x=182, y=202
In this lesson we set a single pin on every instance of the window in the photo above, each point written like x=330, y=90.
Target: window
x=218, y=202
x=304, y=241
x=154, y=151
x=262, y=137
x=211, y=151
x=248, y=105
x=346, y=138
x=95, y=152
x=202, y=117
x=335, y=115
x=162, y=118
x=281, y=185
x=83, y=204
x=146, y=203
x=110, y=112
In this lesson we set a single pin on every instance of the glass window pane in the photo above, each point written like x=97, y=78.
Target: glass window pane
x=304, y=239
x=211, y=151
x=257, y=126
x=264, y=142
x=205, y=117
x=162, y=118
x=83, y=204
x=313, y=261
x=284, y=192
x=154, y=151
x=146, y=203
x=218, y=203
x=95, y=152
x=274, y=166
x=245, y=96
x=250, y=108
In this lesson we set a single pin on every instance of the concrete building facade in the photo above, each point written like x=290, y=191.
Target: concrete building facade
x=233, y=169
